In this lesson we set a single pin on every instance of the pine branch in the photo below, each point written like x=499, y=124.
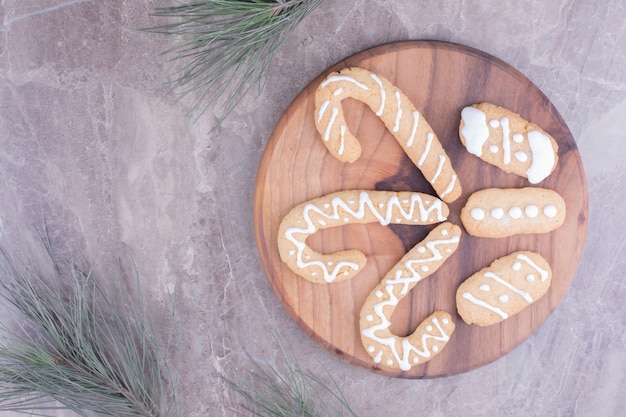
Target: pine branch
x=74, y=344
x=225, y=47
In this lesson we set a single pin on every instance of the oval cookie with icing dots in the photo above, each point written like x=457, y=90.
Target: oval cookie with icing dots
x=502, y=212
x=340, y=208
x=505, y=139
x=398, y=114
x=433, y=333
x=503, y=289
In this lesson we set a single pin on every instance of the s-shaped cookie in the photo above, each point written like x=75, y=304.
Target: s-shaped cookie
x=398, y=114
x=343, y=207
x=433, y=333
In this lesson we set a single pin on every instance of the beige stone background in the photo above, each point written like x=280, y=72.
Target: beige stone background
x=91, y=145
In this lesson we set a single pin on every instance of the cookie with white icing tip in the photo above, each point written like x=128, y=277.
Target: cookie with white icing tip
x=344, y=207
x=433, y=333
x=507, y=140
x=502, y=212
x=399, y=115
x=503, y=289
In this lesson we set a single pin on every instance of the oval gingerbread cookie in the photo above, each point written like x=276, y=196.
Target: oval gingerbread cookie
x=505, y=139
x=501, y=212
x=503, y=289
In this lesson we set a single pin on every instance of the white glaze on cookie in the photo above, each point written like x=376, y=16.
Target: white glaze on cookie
x=504, y=212
x=431, y=335
x=398, y=114
x=515, y=145
x=333, y=210
x=503, y=289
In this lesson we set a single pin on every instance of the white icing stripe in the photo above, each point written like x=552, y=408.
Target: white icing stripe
x=449, y=187
x=511, y=287
x=333, y=116
x=336, y=78
x=506, y=141
x=416, y=118
x=543, y=157
x=442, y=159
x=396, y=126
x=544, y=274
x=341, y=144
x=383, y=95
x=322, y=110
x=429, y=141
x=483, y=304
x=341, y=209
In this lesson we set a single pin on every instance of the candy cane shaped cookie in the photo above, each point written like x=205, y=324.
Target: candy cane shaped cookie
x=399, y=115
x=433, y=333
x=343, y=207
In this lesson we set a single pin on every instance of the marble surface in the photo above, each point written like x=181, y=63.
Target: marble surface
x=92, y=146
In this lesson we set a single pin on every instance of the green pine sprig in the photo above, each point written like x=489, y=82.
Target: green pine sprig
x=287, y=390
x=73, y=346
x=225, y=47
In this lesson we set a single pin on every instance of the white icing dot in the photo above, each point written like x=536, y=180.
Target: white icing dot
x=371, y=349
x=381, y=205
x=445, y=321
x=405, y=201
x=425, y=268
x=444, y=232
x=497, y=213
x=398, y=220
x=421, y=249
x=313, y=273
x=530, y=277
x=549, y=211
x=292, y=252
x=307, y=256
x=416, y=359
x=389, y=362
x=326, y=205
x=346, y=219
x=515, y=212
x=516, y=266
x=521, y=156
x=518, y=137
x=503, y=298
x=351, y=201
x=369, y=317
x=435, y=348
x=493, y=149
x=379, y=294
x=531, y=211
x=448, y=250
x=345, y=273
x=329, y=263
x=477, y=213
x=494, y=123
x=322, y=222
x=484, y=287
x=429, y=328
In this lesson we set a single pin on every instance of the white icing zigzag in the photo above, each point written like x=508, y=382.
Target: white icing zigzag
x=420, y=262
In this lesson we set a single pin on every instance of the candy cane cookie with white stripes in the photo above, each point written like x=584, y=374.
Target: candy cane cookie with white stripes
x=398, y=114
x=340, y=208
x=504, y=288
x=434, y=332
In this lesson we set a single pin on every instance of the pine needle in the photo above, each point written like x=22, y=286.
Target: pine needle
x=225, y=47
x=288, y=391
x=71, y=343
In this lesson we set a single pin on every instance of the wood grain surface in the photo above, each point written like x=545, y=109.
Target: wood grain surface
x=440, y=78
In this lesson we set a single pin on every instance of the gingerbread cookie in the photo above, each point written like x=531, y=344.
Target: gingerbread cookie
x=398, y=114
x=433, y=333
x=505, y=139
x=496, y=212
x=503, y=289
x=343, y=207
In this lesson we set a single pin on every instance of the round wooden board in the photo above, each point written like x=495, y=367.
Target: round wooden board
x=440, y=78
